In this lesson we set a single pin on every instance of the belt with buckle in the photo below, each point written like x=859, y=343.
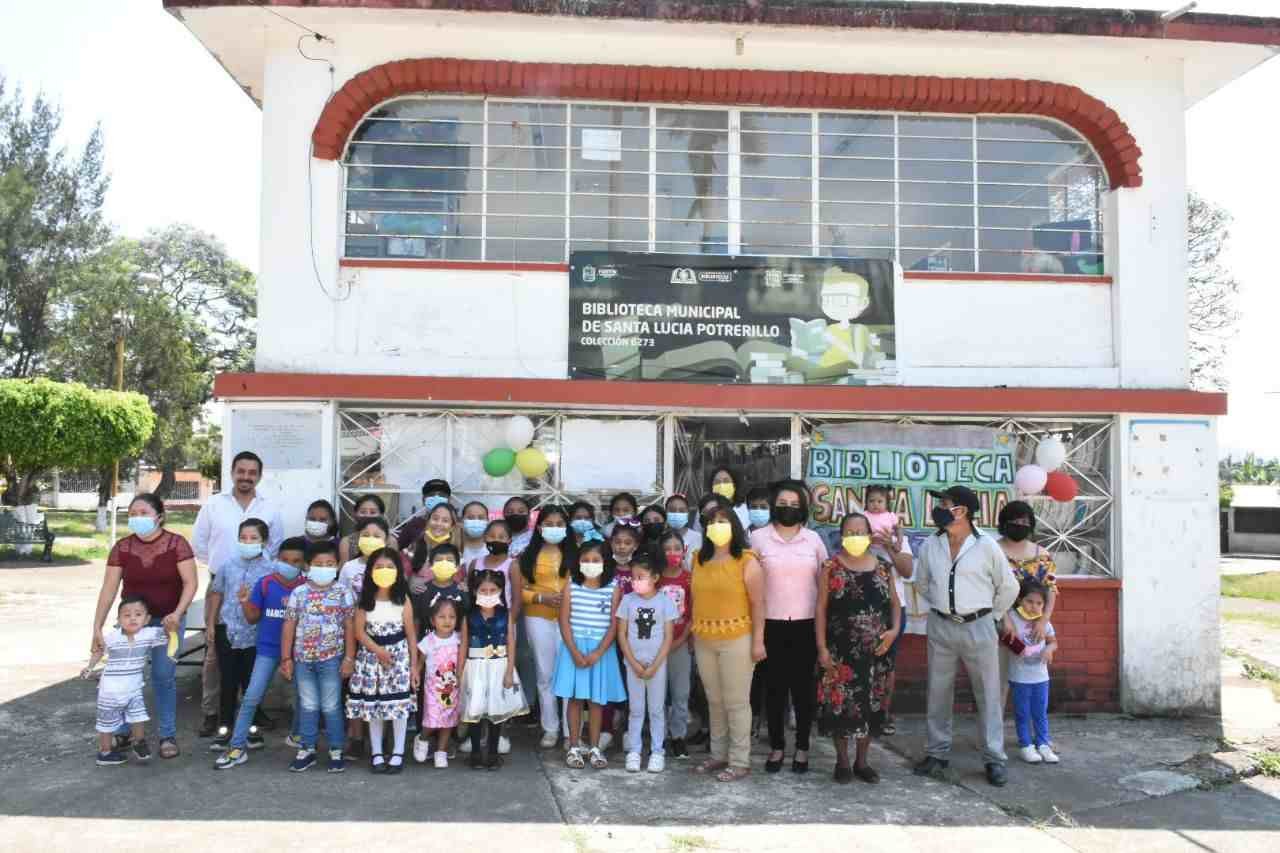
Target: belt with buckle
x=961, y=618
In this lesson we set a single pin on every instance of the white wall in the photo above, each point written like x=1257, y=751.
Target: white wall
x=452, y=323
x=1168, y=545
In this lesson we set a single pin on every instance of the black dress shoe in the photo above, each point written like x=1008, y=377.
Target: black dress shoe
x=867, y=774
x=262, y=721
x=930, y=765
x=772, y=766
x=799, y=766
x=209, y=727
x=844, y=775
x=997, y=775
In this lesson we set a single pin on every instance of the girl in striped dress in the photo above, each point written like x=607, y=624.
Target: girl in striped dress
x=587, y=669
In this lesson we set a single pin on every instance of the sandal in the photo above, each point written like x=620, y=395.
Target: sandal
x=597, y=759
x=773, y=765
x=574, y=758
x=710, y=766
x=377, y=764
x=733, y=774
x=169, y=747
x=867, y=773
x=396, y=764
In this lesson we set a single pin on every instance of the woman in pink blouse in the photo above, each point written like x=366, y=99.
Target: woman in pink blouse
x=792, y=557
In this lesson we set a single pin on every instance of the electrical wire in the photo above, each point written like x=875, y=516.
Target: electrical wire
x=262, y=4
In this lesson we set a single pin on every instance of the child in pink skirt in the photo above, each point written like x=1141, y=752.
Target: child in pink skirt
x=439, y=681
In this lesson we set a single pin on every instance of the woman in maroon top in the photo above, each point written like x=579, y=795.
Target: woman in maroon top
x=161, y=567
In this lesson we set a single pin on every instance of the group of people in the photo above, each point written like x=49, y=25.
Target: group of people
x=458, y=622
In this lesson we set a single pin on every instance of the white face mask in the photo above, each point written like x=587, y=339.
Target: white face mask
x=489, y=600
x=591, y=570
x=316, y=529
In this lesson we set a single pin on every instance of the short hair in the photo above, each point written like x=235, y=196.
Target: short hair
x=644, y=559
x=316, y=549
x=1013, y=510
x=738, y=537
x=370, y=498
x=494, y=577
x=658, y=508
x=733, y=478
x=801, y=490
x=876, y=490
x=151, y=500
x=442, y=601
x=293, y=543
x=247, y=456
x=377, y=521
x=676, y=497
x=132, y=599
x=849, y=515
x=327, y=507
x=597, y=547
x=580, y=504
x=495, y=523
x=623, y=496
x=445, y=549
x=436, y=485
x=758, y=493
x=507, y=505
x=257, y=524
x=1031, y=585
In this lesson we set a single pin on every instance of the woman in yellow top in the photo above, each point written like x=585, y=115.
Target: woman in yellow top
x=544, y=567
x=728, y=623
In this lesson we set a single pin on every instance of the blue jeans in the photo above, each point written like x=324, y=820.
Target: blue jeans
x=320, y=693
x=263, y=669
x=164, y=684
x=1031, y=709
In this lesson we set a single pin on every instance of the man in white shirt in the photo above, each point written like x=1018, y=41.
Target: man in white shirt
x=214, y=538
x=966, y=577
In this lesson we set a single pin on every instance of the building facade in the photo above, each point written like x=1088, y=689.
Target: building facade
x=430, y=169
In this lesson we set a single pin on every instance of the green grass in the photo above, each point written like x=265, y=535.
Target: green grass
x=1271, y=620
x=1268, y=763
x=67, y=524
x=1265, y=586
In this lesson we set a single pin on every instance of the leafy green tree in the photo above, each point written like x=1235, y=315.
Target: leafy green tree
x=46, y=425
x=50, y=222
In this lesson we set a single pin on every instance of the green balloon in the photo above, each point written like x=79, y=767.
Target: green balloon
x=499, y=461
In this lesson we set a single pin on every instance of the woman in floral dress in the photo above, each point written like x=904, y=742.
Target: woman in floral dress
x=857, y=620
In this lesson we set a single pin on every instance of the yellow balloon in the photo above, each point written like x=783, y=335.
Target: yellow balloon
x=531, y=462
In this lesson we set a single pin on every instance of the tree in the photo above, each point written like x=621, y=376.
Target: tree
x=50, y=221
x=206, y=454
x=1211, y=293
x=46, y=425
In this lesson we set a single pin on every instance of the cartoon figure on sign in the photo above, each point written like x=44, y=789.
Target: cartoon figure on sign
x=646, y=618
x=841, y=346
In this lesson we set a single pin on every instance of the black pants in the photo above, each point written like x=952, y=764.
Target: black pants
x=235, y=667
x=792, y=649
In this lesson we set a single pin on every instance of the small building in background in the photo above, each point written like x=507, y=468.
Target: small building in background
x=1253, y=522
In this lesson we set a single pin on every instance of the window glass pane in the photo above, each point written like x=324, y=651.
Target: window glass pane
x=791, y=235
x=431, y=108
x=951, y=128
x=526, y=226
x=857, y=146
x=693, y=208
x=692, y=120
x=413, y=248
x=1025, y=128
x=692, y=185
x=923, y=214
x=849, y=238
x=695, y=236
x=526, y=203
x=935, y=261
x=538, y=135
x=850, y=251
x=856, y=214
x=620, y=160
x=936, y=238
x=440, y=131
x=526, y=158
x=529, y=251
x=798, y=250
x=919, y=170
x=830, y=167
x=591, y=115
x=927, y=193
x=545, y=181
x=936, y=149
x=776, y=211
x=1035, y=152
x=856, y=191
x=524, y=113
x=783, y=167
x=613, y=245
x=609, y=229
x=852, y=123
x=610, y=205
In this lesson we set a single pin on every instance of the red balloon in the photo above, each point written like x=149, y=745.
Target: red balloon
x=1061, y=487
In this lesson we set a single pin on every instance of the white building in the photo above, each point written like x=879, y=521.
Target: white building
x=429, y=166
x=1254, y=519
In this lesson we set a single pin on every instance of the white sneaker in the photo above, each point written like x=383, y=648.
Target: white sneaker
x=442, y=760
x=657, y=763
x=465, y=746
x=504, y=745
x=421, y=750
x=1030, y=755
x=606, y=738
x=1047, y=754
x=549, y=740
x=633, y=762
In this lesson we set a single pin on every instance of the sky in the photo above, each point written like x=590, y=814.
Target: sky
x=183, y=144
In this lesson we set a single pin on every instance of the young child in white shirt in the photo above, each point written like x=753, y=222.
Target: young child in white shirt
x=1029, y=673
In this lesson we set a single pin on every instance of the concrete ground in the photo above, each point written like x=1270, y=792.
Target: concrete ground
x=1138, y=784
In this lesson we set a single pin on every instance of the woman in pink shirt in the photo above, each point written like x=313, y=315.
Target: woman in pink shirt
x=792, y=557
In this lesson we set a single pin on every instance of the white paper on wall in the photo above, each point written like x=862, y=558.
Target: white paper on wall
x=601, y=144
x=609, y=454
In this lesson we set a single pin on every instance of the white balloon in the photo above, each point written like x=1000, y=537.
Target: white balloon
x=519, y=432
x=1030, y=479
x=1051, y=453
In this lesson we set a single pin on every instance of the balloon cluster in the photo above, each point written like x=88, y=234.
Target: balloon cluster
x=516, y=452
x=1043, y=475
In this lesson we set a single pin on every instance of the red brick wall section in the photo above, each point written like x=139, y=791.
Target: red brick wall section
x=1084, y=677
x=1097, y=122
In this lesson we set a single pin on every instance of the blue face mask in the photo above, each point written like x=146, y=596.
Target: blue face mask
x=678, y=520
x=758, y=517
x=322, y=575
x=249, y=550
x=475, y=527
x=432, y=502
x=142, y=525
x=286, y=570
x=553, y=535
x=582, y=526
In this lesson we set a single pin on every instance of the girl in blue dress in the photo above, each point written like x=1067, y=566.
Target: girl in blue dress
x=587, y=668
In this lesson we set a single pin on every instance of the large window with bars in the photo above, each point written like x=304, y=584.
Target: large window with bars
x=474, y=179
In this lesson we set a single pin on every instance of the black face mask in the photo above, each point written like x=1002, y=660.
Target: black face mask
x=943, y=516
x=517, y=522
x=788, y=516
x=653, y=529
x=1016, y=532
x=497, y=549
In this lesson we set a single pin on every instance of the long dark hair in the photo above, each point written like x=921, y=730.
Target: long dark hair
x=593, y=547
x=480, y=576
x=156, y=504
x=1014, y=510
x=327, y=507
x=568, y=547
x=800, y=489
x=369, y=590
x=737, y=544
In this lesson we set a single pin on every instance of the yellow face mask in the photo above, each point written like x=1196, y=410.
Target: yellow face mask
x=444, y=570
x=724, y=490
x=1025, y=615
x=369, y=544
x=384, y=576
x=443, y=537
x=856, y=545
x=720, y=533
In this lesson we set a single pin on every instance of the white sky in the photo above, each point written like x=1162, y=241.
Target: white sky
x=183, y=144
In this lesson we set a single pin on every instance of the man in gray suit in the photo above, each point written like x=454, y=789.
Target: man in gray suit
x=966, y=577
